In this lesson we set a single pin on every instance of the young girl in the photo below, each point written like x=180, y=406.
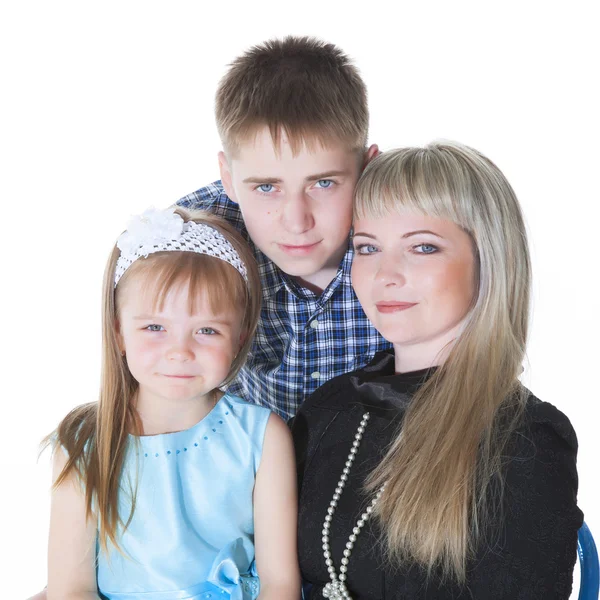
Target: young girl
x=168, y=487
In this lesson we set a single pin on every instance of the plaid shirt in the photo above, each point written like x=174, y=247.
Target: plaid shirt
x=302, y=339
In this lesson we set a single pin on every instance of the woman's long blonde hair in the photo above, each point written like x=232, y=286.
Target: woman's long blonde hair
x=444, y=471
x=95, y=435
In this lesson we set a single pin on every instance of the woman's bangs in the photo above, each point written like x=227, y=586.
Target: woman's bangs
x=408, y=181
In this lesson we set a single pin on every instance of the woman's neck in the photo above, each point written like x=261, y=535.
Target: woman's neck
x=415, y=357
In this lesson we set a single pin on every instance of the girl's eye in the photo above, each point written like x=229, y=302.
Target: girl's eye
x=324, y=183
x=154, y=327
x=365, y=249
x=265, y=187
x=207, y=331
x=425, y=249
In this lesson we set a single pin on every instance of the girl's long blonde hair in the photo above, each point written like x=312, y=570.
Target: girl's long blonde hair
x=444, y=470
x=95, y=435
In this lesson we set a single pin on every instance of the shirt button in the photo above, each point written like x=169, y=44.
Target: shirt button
x=315, y=375
x=314, y=324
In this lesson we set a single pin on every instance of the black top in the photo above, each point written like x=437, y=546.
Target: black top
x=529, y=555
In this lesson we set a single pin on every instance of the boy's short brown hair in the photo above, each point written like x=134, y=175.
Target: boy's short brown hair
x=302, y=86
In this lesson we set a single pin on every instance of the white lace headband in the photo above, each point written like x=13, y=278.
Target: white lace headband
x=164, y=231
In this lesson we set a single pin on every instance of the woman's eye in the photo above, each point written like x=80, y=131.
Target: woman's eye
x=365, y=249
x=324, y=183
x=265, y=187
x=207, y=331
x=425, y=249
x=154, y=328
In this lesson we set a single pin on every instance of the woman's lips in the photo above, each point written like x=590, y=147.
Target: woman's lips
x=390, y=307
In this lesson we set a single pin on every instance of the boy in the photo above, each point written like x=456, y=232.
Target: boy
x=293, y=119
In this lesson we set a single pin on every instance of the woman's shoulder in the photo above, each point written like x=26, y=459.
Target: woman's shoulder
x=333, y=396
x=545, y=422
x=541, y=456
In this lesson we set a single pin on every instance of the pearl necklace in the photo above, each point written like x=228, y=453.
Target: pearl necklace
x=336, y=589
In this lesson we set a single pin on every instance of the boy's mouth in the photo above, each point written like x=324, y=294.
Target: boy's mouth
x=298, y=250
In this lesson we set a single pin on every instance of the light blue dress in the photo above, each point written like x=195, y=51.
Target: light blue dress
x=192, y=532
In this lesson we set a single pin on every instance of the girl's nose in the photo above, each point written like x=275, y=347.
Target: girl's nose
x=180, y=351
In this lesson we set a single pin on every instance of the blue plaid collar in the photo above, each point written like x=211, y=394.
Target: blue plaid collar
x=271, y=276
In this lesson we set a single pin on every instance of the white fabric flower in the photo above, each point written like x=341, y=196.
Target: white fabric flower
x=165, y=231
x=151, y=227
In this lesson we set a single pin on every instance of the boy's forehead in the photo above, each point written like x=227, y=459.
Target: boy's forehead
x=261, y=150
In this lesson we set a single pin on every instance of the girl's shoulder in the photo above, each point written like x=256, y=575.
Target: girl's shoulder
x=242, y=409
x=76, y=432
x=244, y=405
x=250, y=417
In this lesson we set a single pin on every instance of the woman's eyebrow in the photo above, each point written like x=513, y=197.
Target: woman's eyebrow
x=410, y=233
x=406, y=235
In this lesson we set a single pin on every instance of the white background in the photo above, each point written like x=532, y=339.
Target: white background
x=107, y=108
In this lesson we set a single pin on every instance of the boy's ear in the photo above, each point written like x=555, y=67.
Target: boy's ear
x=225, y=171
x=370, y=154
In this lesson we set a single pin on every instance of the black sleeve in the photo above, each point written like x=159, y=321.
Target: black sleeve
x=299, y=428
x=534, y=555
x=312, y=420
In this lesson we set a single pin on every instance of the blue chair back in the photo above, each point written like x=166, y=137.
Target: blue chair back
x=588, y=564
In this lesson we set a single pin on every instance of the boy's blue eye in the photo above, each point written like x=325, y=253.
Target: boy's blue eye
x=426, y=249
x=265, y=187
x=154, y=327
x=324, y=183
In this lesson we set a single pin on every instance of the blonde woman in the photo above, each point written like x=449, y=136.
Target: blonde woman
x=432, y=472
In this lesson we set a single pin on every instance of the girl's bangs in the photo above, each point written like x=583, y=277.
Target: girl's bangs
x=209, y=279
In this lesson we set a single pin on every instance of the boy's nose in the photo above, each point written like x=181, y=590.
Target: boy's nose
x=297, y=214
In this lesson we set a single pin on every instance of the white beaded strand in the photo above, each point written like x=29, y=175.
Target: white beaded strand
x=336, y=589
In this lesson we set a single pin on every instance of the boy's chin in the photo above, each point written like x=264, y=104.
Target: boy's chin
x=301, y=267
x=308, y=265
